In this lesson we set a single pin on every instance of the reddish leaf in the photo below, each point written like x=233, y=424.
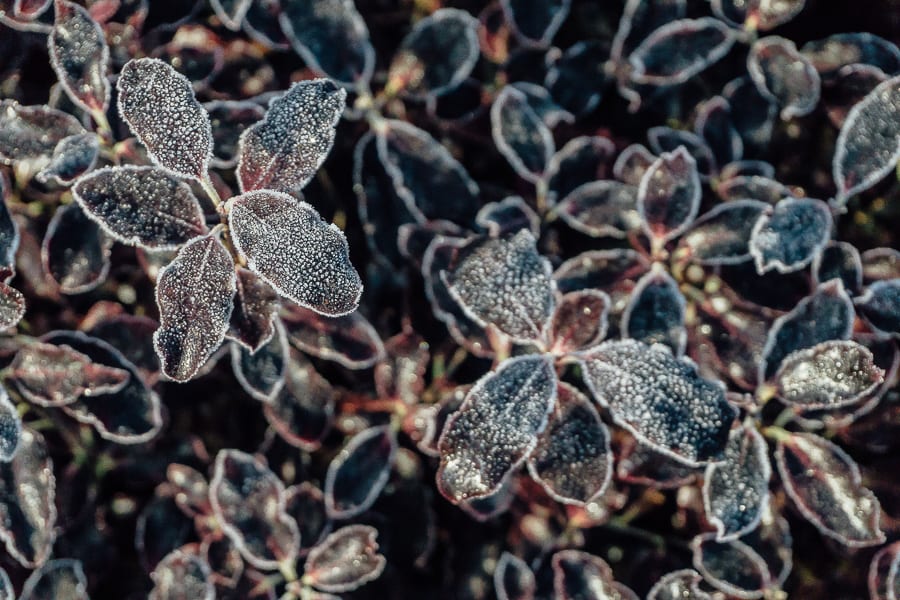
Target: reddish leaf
x=669, y=196
x=349, y=340
x=579, y=321
x=256, y=306
x=302, y=413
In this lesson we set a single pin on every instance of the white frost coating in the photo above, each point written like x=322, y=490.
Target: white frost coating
x=60, y=578
x=248, y=500
x=72, y=157
x=542, y=19
x=880, y=307
x=736, y=490
x=345, y=560
x=788, y=237
x=679, y=585
x=720, y=563
x=31, y=133
x=12, y=306
x=829, y=375
x=496, y=427
x=669, y=195
x=601, y=208
x=826, y=486
x=784, y=75
x=868, y=146
x=283, y=151
x=722, y=235
x=294, y=250
x=679, y=50
x=363, y=465
x=195, y=295
x=505, y=283
x=80, y=56
x=520, y=135
x=182, y=575
x=231, y=12
x=10, y=427
x=141, y=206
x=159, y=106
x=261, y=372
x=508, y=216
x=655, y=311
x=511, y=568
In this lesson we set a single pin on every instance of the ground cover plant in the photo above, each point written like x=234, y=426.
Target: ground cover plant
x=449, y=299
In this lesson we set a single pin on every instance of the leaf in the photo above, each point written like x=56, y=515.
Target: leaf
x=508, y=216
x=601, y=208
x=12, y=306
x=679, y=50
x=667, y=139
x=303, y=412
x=736, y=490
x=141, y=206
x=639, y=19
x=632, y=163
x=577, y=79
x=669, y=196
x=848, y=88
x=573, y=460
x=753, y=114
x=283, y=151
x=306, y=504
x=261, y=373
x=579, y=321
x=715, y=126
x=359, y=472
x=520, y=135
x=578, y=575
x=722, y=235
x=828, y=375
x=402, y=374
x=80, y=57
x=72, y=157
x=27, y=501
x=679, y=585
x=331, y=37
x=195, y=296
x=788, y=237
x=784, y=76
x=29, y=10
x=10, y=427
x=75, y=251
x=180, y=576
x=291, y=248
x=349, y=340
x=51, y=375
x=656, y=312
x=868, y=146
x=437, y=55
x=831, y=54
x=503, y=282
x=248, y=500
x=31, y=133
x=600, y=269
x=880, y=263
x=256, y=305
x=733, y=567
x=485, y=508
x=231, y=12
x=159, y=106
x=345, y=560
x=752, y=187
x=582, y=160
x=61, y=579
x=839, y=260
x=496, y=428
x=535, y=23
x=660, y=399
x=826, y=486
x=883, y=582
x=9, y=231
x=880, y=306
x=513, y=580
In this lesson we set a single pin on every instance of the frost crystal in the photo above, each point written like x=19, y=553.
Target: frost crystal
x=788, y=237
x=80, y=56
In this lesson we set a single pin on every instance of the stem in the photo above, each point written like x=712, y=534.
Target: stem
x=103, y=127
x=210, y=190
x=541, y=189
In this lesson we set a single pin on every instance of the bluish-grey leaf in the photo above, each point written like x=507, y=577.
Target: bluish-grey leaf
x=359, y=472
x=880, y=306
x=789, y=236
x=669, y=196
x=679, y=50
x=722, y=236
x=784, y=75
x=655, y=313
x=520, y=134
x=80, y=56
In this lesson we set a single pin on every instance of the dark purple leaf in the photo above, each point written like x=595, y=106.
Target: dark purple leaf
x=831, y=54
x=660, y=399
x=141, y=206
x=520, y=134
x=357, y=475
x=294, y=250
x=31, y=133
x=839, y=260
x=535, y=23
x=883, y=581
x=679, y=50
x=880, y=306
x=349, y=340
x=784, y=76
x=513, y=580
x=573, y=460
x=29, y=10
x=601, y=208
x=345, y=560
x=669, y=196
x=576, y=79
x=229, y=119
x=306, y=504
x=880, y=263
x=599, y=269
x=248, y=501
x=722, y=236
x=715, y=125
x=284, y=151
x=261, y=24
x=303, y=412
x=666, y=139
x=72, y=157
x=262, y=372
x=679, y=585
x=733, y=567
x=80, y=57
x=632, y=163
x=75, y=251
x=195, y=296
x=191, y=489
x=638, y=464
x=582, y=160
x=848, y=88
x=231, y=12
x=134, y=334
x=486, y=508
x=256, y=305
x=507, y=217
x=655, y=313
x=752, y=187
x=826, y=486
x=789, y=236
x=580, y=576
x=180, y=576
x=496, y=427
x=159, y=106
x=579, y=321
x=60, y=579
x=639, y=19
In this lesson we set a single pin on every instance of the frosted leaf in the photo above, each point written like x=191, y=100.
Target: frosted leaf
x=848, y=88
x=573, y=460
x=231, y=12
x=359, y=472
x=576, y=80
x=655, y=312
x=839, y=260
x=496, y=427
x=784, y=76
x=331, y=37
x=345, y=560
x=722, y=236
x=51, y=375
x=880, y=263
x=669, y=195
x=535, y=23
x=283, y=151
x=826, y=486
x=12, y=306
x=261, y=24
x=72, y=157
x=831, y=54
x=666, y=139
x=31, y=133
x=579, y=321
x=294, y=250
x=484, y=508
x=679, y=50
x=27, y=501
x=402, y=374
x=639, y=464
x=303, y=412
x=599, y=269
x=141, y=206
x=256, y=305
x=753, y=114
x=660, y=399
x=736, y=490
x=75, y=252
x=513, y=580
x=789, y=236
x=503, y=282
x=732, y=567
x=883, y=581
x=520, y=135
x=639, y=19
x=601, y=208
x=716, y=127
x=578, y=575
x=829, y=375
x=180, y=576
x=60, y=579
x=10, y=427
x=868, y=146
x=229, y=119
x=248, y=501
x=195, y=295
x=9, y=230
x=768, y=14
x=437, y=55
x=632, y=163
x=159, y=107
x=80, y=56
x=880, y=307
x=350, y=340
x=581, y=160
x=752, y=187
x=306, y=504
x=679, y=585
x=261, y=372
x=825, y=315
x=29, y=10
x=508, y=216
